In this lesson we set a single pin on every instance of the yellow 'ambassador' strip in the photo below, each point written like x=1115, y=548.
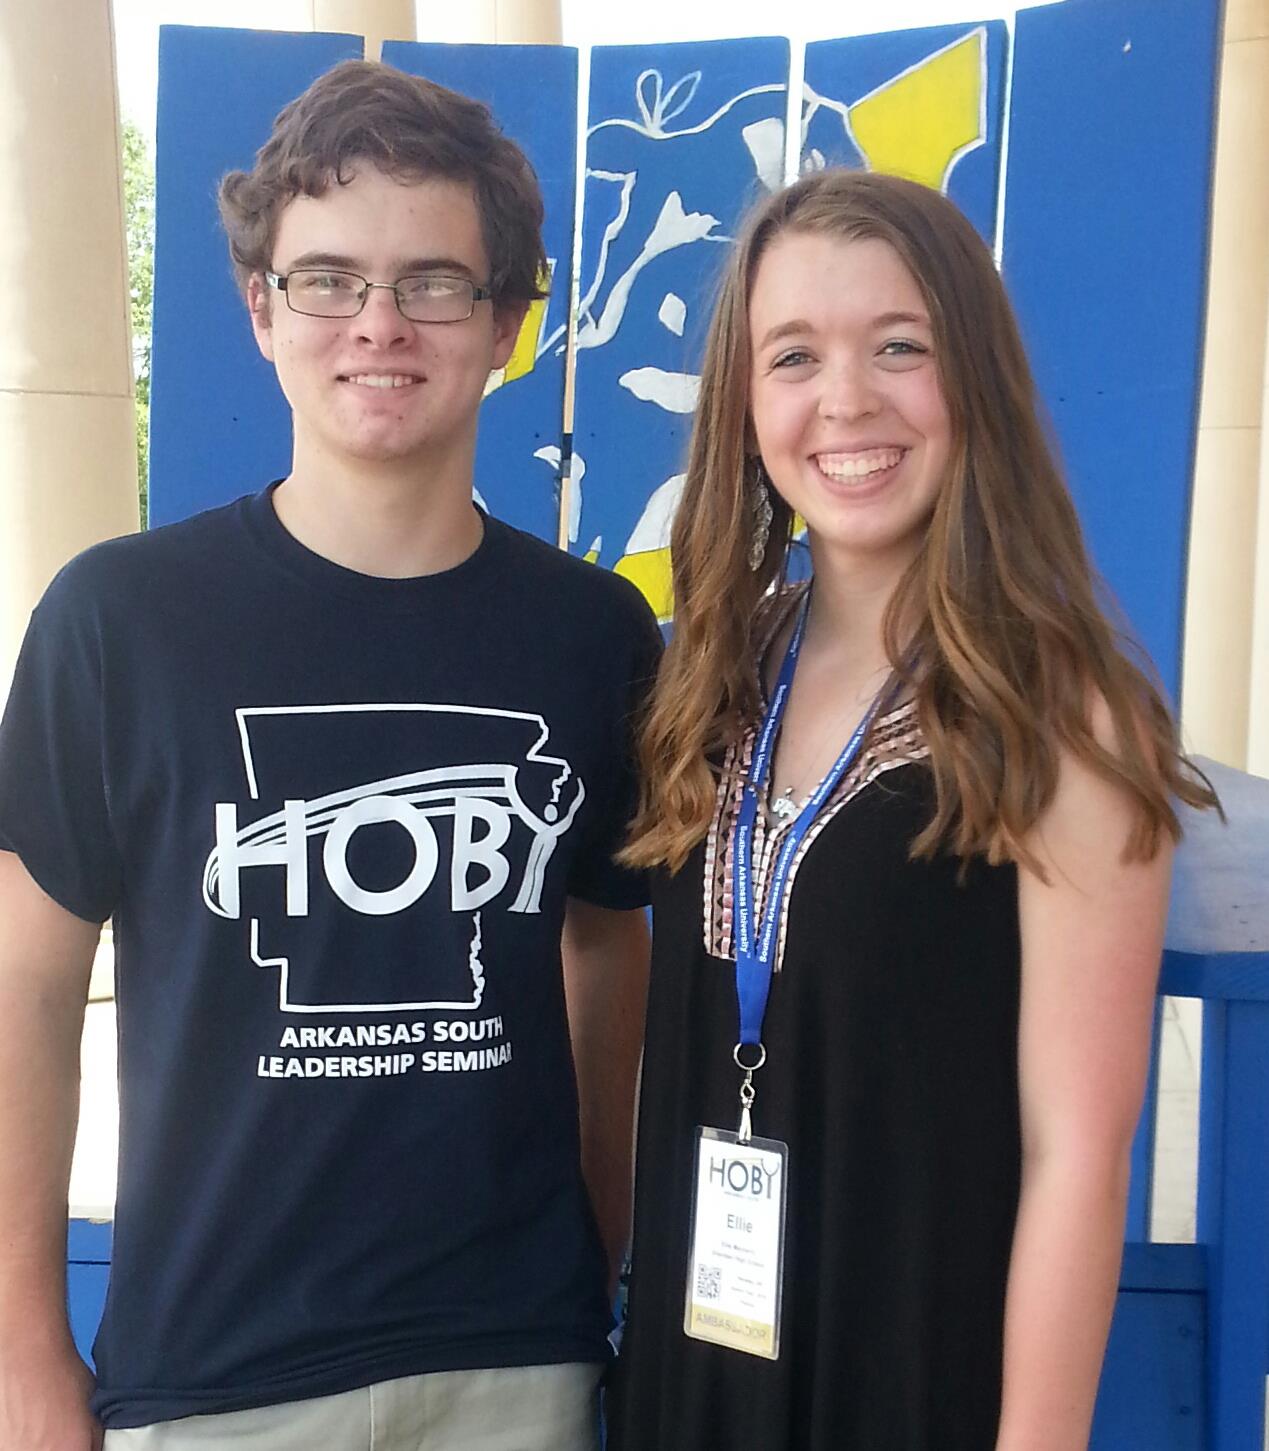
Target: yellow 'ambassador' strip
x=734, y=1331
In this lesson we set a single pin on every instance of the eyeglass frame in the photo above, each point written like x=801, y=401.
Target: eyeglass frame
x=278, y=281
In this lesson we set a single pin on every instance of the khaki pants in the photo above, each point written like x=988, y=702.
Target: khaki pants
x=514, y=1408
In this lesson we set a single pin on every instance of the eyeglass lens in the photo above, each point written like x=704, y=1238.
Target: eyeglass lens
x=425, y=298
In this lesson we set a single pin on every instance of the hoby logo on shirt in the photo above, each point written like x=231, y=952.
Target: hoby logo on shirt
x=369, y=811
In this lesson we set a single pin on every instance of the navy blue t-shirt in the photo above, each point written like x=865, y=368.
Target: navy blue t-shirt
x=335, y=819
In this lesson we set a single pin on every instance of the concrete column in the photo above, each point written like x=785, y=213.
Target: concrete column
x=507, y=22
x=67, y=435
x=1258, y=722
x=377, y=20
x=1227, y=626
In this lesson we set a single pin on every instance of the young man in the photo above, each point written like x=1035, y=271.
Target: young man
x=347, y=762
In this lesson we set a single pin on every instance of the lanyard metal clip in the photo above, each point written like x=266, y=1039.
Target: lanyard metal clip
x=745, y=1132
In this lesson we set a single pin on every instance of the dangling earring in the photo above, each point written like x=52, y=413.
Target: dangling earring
x=759, y=487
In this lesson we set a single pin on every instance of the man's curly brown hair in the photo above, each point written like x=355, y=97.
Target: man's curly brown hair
x=410, y=129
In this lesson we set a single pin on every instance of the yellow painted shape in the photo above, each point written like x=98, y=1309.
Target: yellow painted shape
x=591, y=556
x=919, y=123
x=649, y=571
x=525, y=353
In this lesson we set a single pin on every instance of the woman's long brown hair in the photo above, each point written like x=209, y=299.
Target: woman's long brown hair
x=1010, y=644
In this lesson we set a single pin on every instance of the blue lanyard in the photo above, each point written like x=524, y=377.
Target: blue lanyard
x=755, y=941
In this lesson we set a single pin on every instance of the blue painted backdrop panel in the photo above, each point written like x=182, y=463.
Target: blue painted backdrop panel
x=218, y=424
x=1151, y=1392
x=532, y=90
x=87, y=1273
x=1106, y=217
x=926, y=103
x=1233, y=1193
x=681, y=139
x=85, y=1300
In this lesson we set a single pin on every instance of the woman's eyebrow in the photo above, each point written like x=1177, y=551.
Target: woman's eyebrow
x=795, y=327
x=892, y=319
x=799, y=327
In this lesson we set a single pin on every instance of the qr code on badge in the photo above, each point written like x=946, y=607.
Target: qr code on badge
x=709, y=1282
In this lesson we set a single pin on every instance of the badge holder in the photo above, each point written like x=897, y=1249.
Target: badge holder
x=735, y=1268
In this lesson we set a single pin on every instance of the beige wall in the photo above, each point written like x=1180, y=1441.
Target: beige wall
x=66, y=414
x=1249, y=32
x=508, y=22
x=377, y=20
x=1258, y=732
x=1225, y=690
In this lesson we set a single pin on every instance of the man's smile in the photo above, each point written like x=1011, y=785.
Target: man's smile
x=381, y=380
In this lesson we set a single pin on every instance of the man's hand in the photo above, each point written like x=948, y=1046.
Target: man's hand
x=44, y=1402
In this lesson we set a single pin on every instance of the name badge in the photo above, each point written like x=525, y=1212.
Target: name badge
x=735, y=1269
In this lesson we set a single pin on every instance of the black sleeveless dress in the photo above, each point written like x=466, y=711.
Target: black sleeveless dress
x=891, y=1033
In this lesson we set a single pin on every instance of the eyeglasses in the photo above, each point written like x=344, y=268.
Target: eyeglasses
x=429, y=297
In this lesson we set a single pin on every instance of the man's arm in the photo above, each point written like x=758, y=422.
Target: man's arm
x=606, y=986
x=46, y=957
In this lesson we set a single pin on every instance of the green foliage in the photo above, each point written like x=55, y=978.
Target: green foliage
x=138, y=210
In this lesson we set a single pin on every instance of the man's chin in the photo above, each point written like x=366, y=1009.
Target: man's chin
x=378, y=452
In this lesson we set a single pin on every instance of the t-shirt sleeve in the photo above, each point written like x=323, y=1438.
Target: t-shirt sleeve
x=597, y=877
x=53, y=806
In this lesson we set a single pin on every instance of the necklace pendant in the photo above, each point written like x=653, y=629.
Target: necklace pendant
x=784, y=805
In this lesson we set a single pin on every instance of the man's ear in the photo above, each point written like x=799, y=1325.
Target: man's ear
x=508, y=320
x=260, y=310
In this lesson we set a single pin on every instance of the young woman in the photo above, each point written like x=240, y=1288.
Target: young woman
x=914, y=827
